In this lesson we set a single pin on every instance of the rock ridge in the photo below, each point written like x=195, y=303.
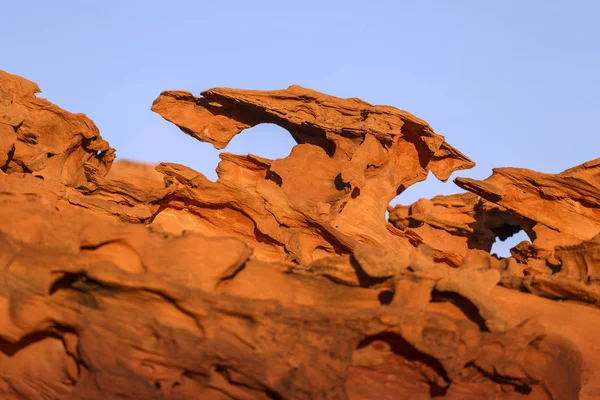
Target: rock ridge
x=283, y=279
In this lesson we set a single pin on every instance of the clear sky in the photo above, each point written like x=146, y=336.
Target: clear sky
x=508, y=83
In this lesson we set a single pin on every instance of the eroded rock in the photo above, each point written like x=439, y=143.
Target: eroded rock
x=40, y=138
x=282, y=279
x=556, y=209
x=453, y=225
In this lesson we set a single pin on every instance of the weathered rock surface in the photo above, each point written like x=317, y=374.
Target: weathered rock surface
x=39, y=138
x=453, y=225
x=556, y=210
x=282, y=280
x=354, y=159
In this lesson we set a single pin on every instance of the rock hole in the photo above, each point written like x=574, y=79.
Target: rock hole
x=86, y=142
x=273, y=395
x=469, y=309
x=519, y=387
x=364, y=280
x=82, y=286
x=19, y=125
x=10, y=155
x=502, y=247
x=427, y=189
x=11, y=348
x=66, y=281
x=339, y=183
x=386, y=363
x=385, y=297
x=273, y=176
x=263, y=140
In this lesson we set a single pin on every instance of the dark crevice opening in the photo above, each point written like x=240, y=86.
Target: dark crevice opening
x=465, y=305
x=412, y=133
x=365, y=280
x=29, y=138
x=340, y=246
x=10, y=154
x=233, y=274
x=95, y=246
x=385, y=297
x=10, y=349
x=273, y=176
x=520, y=387
x=222, y=370
x=66, y=281
x=87, y=142
x=339, y=183
x=273, y=394
x=18, y=126
x=506, y=231
x=80, y=283
x=399, y=346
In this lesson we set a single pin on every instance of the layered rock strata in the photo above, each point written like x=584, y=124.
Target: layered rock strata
x=282, y=279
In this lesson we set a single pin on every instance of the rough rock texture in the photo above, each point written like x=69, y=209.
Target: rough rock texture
x=452, y=225
x=557, y=210
x=331, y=192
x=39, y=138
x=282, y=280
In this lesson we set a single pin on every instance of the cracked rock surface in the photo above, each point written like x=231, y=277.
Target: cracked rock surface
x=282, y=279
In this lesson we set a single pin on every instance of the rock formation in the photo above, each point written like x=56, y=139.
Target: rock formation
x=454, y=225
x=282, y=279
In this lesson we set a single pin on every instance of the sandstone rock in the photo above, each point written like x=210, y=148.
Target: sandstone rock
x=38, y=137
x=556, y=210
x=454, y=224
x=282, y=280
x=330, y=193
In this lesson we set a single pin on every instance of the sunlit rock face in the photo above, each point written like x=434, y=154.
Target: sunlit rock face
x=283, y=279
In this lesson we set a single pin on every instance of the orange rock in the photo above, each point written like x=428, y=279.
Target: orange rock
x=38, y=137
x=282, y=279
x=557, y=210
x=455, y=224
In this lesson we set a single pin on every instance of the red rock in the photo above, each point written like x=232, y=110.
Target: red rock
x=282, y=279
x=38, y=137
x=454, y=225
x=556, y=210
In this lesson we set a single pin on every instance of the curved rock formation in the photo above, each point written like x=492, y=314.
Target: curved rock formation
x=354, y=159
x=556, y=210
x=282, y=280
x=39, y=138
x=453, y=225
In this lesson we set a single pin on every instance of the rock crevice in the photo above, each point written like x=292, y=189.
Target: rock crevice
x=283, y=279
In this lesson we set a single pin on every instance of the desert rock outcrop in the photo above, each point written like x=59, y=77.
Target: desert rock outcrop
x=282, y=279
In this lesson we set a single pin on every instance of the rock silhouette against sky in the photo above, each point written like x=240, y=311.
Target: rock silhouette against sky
x=283, y=279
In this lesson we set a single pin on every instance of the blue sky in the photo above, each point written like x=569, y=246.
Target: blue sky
x=509, y=83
